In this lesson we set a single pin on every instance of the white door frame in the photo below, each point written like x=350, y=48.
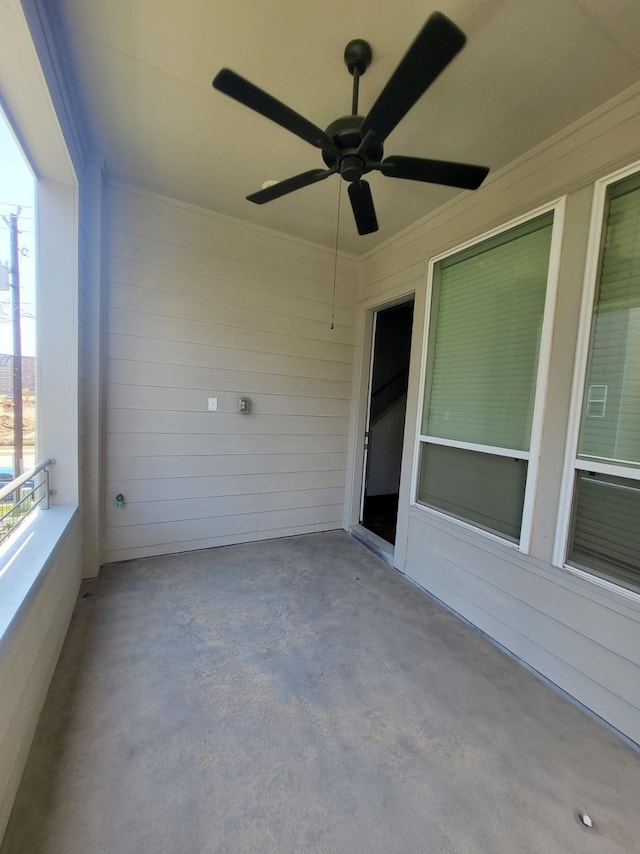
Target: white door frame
x=365, y=329
x=365, y=438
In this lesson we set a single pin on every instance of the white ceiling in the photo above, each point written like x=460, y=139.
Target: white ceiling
x=144, y=71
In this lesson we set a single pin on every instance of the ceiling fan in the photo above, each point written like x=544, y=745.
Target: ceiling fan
x=353, y=145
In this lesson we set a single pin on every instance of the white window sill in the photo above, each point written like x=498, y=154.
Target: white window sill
x=603, y=583
x=421, y=510
x=24, y=557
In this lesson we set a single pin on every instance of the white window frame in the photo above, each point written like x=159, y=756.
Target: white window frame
x=571, y=461
x=532, y=456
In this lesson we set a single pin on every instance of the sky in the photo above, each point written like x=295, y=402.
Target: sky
x=17, y=190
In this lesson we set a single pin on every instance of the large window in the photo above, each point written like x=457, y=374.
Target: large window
x=604, y=529
x=482, y=379
x=17, y=310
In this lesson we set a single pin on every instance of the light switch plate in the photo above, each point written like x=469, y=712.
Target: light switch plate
x=213, y=404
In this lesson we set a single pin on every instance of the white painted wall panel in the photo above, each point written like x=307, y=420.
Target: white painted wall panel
x=279, y=271
x=163, y=538
x=201, y=487
x=198, y=331
x=236, y=288
x=28, y=654
x=185, y=509
x=222, y=422
x=164, y=376
x=190, y=400
x=135, y=348
x=206, y=444
x=396, y=283
x=191, y=233
x=584, y=638
x=201, y=306
x=247, y=318
x=234, y=465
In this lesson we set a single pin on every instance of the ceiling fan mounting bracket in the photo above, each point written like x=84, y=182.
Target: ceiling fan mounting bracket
x=357, y=56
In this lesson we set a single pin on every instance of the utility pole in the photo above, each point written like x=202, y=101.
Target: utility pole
x=12, y=222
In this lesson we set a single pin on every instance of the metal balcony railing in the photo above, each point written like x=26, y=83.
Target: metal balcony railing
x=22, y=496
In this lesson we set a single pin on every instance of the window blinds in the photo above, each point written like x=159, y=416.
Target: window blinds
x=487, y=311
x=611, y=432
x=483, y=489
x=606, y=534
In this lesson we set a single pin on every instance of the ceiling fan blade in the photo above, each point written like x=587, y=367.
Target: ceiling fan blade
x=463, y=175
x=434, y=48
x=289, y=185
x=363, y=209
x=251, y=96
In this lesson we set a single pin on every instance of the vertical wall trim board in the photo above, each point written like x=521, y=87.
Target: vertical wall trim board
x=542, y=378
x=360, y=378
x=92, y=332
x=405, y=499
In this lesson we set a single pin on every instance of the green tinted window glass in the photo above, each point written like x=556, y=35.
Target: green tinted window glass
x=606, y=527
x=486, y=319
x=484, y=489
x=610, y=429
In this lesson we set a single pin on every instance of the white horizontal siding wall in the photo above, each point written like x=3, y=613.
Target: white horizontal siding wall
x=29, y=651
x=201, y=306
x=582, y=637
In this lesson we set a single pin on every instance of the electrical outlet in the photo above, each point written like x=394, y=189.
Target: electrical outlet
x=213, y=404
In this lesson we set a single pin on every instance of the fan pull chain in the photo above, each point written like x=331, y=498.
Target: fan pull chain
x=335, y=260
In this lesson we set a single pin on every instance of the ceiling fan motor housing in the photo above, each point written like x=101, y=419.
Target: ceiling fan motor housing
x=346, y=136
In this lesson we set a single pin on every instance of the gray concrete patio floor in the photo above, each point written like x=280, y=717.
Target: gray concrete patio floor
x=300, y=696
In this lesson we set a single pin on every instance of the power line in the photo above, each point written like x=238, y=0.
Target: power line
x=22, y=230
x=14, y=205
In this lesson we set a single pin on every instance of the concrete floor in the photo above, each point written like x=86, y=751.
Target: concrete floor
x=301, y=696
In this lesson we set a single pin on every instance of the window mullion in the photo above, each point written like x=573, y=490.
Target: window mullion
x=483, y=449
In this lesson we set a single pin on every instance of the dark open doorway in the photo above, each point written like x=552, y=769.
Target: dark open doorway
x=391, y=352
